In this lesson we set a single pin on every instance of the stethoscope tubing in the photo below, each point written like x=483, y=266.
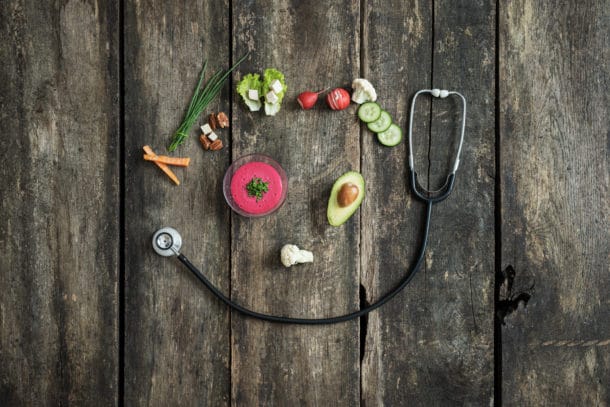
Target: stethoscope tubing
x=319, y=321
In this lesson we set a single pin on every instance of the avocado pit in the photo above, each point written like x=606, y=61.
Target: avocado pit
x=347, y=194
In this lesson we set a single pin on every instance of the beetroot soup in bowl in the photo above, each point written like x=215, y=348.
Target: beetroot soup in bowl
x=255, y=185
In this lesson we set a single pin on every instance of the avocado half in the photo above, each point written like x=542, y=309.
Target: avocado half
x=338, y=215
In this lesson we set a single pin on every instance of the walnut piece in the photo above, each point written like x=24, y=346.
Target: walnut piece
x=216, y=145
x=223, y=120
x=212, y=121
x=205, y=142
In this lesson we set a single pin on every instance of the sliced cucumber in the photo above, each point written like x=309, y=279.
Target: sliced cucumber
x=369, y=112
x=381, y=124
x=391, y=136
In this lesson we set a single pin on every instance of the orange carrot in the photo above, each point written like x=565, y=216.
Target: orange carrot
x=177, y=161
x=164, y=167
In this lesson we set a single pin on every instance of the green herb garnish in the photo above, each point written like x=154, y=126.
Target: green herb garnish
x=256, y=188
x=201, y=98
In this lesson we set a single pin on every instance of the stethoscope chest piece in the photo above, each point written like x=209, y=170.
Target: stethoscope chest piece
x=167, y=242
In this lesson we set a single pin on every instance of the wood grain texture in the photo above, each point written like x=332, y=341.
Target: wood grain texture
x=433, y=344
x=316, y=45
x=462, y=243
x=554, y=78
x=176, y=335
x=59, y=189
x=397, y=39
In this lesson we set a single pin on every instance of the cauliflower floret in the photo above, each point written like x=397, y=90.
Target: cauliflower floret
x=363, y=91
x=292, y=255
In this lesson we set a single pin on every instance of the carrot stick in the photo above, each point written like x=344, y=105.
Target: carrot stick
x=177, y=161
x=164, y=167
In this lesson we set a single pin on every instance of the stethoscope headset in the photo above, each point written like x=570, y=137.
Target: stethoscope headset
x=167, y=241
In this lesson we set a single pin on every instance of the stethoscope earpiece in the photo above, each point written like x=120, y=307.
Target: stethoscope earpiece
x=167, y=242
x=442, y=193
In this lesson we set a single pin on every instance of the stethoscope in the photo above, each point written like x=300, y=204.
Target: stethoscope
x=168, y=242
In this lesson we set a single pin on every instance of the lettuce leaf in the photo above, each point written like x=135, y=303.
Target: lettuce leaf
x=250, y=81
x=272, y=108
x=269, y=76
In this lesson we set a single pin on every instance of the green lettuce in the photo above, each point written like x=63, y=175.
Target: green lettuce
x=270, y=75
x=250, y=81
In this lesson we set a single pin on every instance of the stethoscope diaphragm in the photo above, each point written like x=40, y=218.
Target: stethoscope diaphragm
x=167, y=242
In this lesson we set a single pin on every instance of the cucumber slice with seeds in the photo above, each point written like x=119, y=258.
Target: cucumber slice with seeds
x=390, y=137
x=369, y=112
x=381, y=124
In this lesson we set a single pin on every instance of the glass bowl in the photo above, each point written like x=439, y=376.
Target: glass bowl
x=249, y=206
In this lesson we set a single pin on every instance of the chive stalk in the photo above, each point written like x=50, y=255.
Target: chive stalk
x=200, y=100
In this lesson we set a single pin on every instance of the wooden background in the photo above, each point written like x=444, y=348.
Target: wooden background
x=511, y=307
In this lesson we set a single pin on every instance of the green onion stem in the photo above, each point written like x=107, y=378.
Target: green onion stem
x=200, y=100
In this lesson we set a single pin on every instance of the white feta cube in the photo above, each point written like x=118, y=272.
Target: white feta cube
x=212, y=136
x=252, y=94
x=276, y=86
x=271, y=97
x=206, y=129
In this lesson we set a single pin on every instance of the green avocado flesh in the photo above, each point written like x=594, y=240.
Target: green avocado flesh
x=336, y=214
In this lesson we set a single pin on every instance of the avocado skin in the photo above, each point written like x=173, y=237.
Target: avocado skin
x=337, y=215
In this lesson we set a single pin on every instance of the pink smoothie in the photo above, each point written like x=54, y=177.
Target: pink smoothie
x=244, y=175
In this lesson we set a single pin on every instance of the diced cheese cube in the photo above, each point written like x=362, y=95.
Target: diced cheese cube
x=271, y=97
x=206, y=129
x=276, y=86
x=252, y=94
x=212, y=136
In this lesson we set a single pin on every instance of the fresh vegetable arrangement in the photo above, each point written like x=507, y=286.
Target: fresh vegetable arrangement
x=338, y=99
x=345, y=197
x=379, y=121
x=163, y=163
x=291, y=255
x=201, y=98
x=348, y=190
x=177, y=161
x=257, y=187
x=271, y=89
x=363, y=91
x=308, y=99
x=251, y=88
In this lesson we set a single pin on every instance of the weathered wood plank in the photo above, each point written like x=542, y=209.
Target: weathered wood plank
x=433, y=345
x=397, y=39
x=177, y=336
x=554, y=125
x=463, y=236
x=316, y=45
x=59, y=232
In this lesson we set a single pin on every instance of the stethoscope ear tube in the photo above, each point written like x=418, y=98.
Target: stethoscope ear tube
x=445, y=190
